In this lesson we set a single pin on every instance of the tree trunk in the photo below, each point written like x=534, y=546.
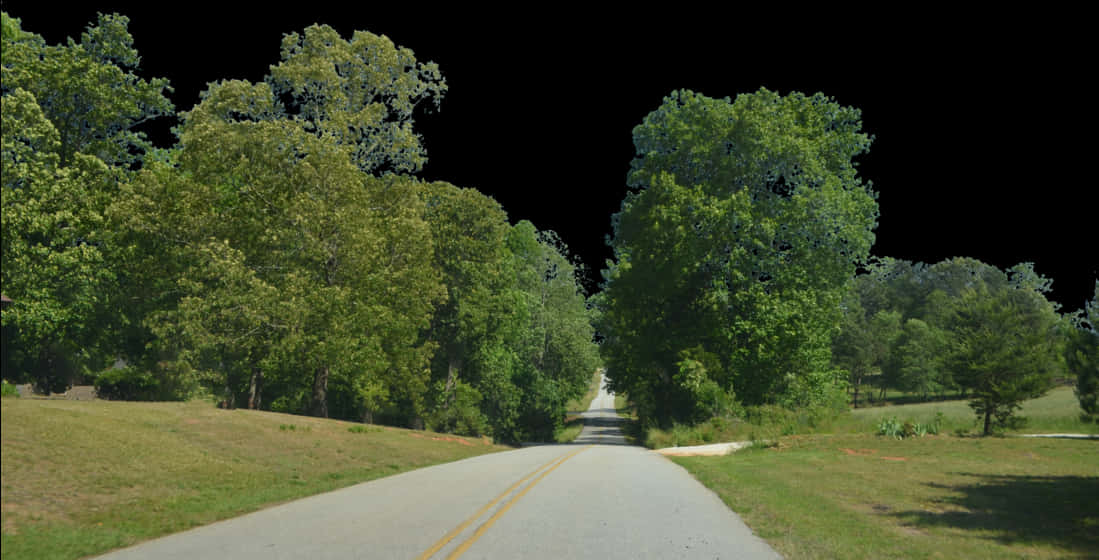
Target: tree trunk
x=368, y=416
x=451, y=380
x=858, y=381
x=255, y=389
x=988, y=421
x=319, y=406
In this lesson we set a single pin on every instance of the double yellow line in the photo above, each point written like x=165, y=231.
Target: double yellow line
x=492, y=520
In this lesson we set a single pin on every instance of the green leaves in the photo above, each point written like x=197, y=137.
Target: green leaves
x=88, y=90
x=747, y=224
x=363, y=92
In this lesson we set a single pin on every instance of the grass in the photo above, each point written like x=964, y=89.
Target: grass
x=836, y=490
x=81, y=478
x=863, y=496
x=573, y=421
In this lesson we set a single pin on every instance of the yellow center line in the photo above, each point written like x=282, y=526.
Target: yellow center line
x=492, y=520
x=457, y=530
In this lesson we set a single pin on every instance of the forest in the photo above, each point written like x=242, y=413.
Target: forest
x=283, y=255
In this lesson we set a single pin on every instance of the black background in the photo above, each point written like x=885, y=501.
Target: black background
x=983, y=123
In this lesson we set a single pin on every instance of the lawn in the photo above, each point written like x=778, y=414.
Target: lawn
x=81, y=478
x=865, y=496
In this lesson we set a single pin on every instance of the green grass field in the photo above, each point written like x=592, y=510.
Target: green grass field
x=863, y=496
x=81, y=478
x=843, y=492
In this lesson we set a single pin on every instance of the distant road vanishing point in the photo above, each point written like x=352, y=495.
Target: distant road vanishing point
x=596, y=498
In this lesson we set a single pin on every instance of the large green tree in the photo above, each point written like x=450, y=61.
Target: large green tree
x=746, y=221
x=88, y=89
x=329, y=265
x=69, y=116
x=555, y=343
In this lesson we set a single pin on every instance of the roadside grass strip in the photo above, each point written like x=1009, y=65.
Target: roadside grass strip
x=869, y=497
x=513, y=493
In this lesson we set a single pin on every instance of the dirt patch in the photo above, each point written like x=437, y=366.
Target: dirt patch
x=869, y=453
x=859, y=452
x=442, y=438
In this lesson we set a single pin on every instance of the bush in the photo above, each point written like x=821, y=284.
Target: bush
x=9, y=390
x=127, y=384
x=901, y=430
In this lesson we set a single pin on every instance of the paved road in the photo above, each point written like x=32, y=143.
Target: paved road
x=597, y=498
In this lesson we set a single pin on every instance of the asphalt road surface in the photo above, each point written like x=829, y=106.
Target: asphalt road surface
x=596, y=498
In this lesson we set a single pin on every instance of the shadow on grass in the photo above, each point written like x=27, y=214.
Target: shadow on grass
x=1056, y=510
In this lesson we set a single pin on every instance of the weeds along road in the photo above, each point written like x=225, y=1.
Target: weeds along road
x=596, y=498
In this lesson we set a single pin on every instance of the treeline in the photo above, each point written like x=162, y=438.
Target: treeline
x=734, y=281
x=963, y=326
x=282, y=255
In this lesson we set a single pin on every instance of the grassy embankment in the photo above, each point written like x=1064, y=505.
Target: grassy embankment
x=852, y=494
x=81, y=478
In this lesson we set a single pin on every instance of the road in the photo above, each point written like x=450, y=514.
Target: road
x=596, y=498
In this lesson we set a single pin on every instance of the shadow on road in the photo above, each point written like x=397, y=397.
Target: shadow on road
x=602, y=426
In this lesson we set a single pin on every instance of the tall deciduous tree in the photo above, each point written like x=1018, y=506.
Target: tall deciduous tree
x=89, y=89
x=69, y=114
x=266, y=190
x=746, y=223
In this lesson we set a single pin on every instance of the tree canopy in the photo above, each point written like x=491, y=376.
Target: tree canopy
x=747, y=221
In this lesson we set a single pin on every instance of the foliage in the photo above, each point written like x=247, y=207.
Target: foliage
x=863, y=342
x=1082, y=355
x=746, y=224
x=88, y=90
x=302, y=276
x=915, y=362
x=1004, y=345
x=127, y=384
x=896, y=429
x=8, y=389
x=69, y=114
x=362, y=92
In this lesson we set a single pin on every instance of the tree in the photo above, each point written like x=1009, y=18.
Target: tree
x=470, y=232
x=88, y=90
x=914, y=362
x=69, y=114
x=1082, y=355
x=745, y=226
x=363, y=92
x=556, y=347
x=862, y=344
x=53, y=262
x=331, y=266
x=1004, y=345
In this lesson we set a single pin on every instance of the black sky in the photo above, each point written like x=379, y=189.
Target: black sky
x=981, y=122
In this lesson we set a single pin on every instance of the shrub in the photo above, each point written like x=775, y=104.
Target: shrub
x=9, y=390
x=894, y=428
x=127, y=384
